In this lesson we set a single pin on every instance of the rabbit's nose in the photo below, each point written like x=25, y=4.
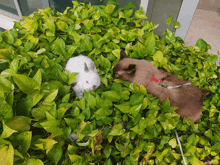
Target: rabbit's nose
x=94, y=87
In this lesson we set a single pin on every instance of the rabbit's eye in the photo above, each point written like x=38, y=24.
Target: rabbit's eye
x=87, y=82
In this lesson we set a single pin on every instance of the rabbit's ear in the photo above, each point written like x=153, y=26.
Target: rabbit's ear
x=86, y=69
x=93, y=66
x=123, y=54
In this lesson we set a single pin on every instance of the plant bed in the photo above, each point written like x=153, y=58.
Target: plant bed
x=39, y=110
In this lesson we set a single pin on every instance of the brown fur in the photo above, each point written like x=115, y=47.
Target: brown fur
x=188, y=98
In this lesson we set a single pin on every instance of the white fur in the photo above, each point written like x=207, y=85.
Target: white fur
x=86, y=80
x=76, y=64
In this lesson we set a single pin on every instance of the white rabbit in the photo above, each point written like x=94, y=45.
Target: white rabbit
x=87, y=79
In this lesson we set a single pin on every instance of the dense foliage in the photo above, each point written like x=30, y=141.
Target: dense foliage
x=117, y=124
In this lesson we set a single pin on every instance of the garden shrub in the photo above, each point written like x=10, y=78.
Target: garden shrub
x=39, y=110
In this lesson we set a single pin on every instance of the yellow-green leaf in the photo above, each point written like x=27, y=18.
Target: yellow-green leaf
x=7, y=154
x=62, y=26
x=26, y=84
x=51, y=96
x=6, y=131
x=172, y=143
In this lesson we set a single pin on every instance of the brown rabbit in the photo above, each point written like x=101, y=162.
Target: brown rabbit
x=188, y=98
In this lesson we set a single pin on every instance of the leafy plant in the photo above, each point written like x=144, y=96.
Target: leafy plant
x=118, y=123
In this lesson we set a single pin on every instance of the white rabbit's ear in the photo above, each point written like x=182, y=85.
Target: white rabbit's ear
x=93, y=66
x=86, y=69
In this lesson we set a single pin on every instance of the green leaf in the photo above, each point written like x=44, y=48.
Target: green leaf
x=166, y=104
x=116, y=130
x=108, y=162
x=6, y=131
x=81, y=104
x=128, y=13
x=111, y=95
x=129, y=5
x=150, y=44
x=124, y=95
x=39, y=113
x=103, y=112
x=216, y=147
x=173, y=143
x=104, y=80
x=62, y=26
x=72, y=78
x=24, y=141
x=55, y=153
x=164, y=140
x=19, y=123
x=176, y=25
x=213, y=89
x=196, y=161
x=14, y=65
x=107, y=151
x=104, y=62
x=30, y=24
x=66, y=98
x=49, y=24
x=135, y=110
x=33, y=161
x=38, y=77
x=5, y=85
x=88, y=24
x=202, y=45
x=73, y=123
x=212, y=58
x=109, y=8
x=87, y=128
x=114, y=2
x=86, y=43
x=7, y=54
x=52, y=126
x=124, y=107
x=158, y=56
x=61, y=112
x=84, y=14
x=140, y=14
x=26, y=84
x=90, y=99
x=169, y=20
x=51, y=96
x=9, y=38
x=58, y=46
x=48, y=144
x=136, y=99
x=40, y=51
x=97, y=15
x=71, y=49
x=116, y=87
x=7, y=154
x=5, y=109
x=116, y=52
x=75, y=158
x=191, y=140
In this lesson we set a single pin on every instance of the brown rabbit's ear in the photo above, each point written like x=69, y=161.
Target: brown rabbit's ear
x=86, y=69
x=123, y=54
x=131, y=69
